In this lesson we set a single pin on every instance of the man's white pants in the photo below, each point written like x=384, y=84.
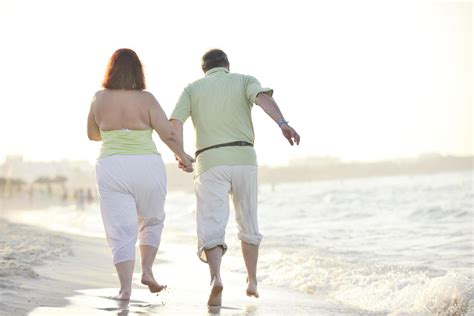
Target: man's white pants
x=132, y=192
x=212, y=189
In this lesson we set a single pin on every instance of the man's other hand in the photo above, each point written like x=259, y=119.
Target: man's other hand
x=290, y=134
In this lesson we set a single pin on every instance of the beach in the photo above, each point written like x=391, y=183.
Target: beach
x=46, y=267
x=381, y=246
x=72, y=275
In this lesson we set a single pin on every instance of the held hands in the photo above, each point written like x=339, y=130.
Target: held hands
x=290, y=134
x=185, y=163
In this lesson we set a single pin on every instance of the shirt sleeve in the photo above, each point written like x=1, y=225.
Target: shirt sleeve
x=253, y=88
x=182, y=109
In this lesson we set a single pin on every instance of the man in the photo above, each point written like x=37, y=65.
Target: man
x=220, y=107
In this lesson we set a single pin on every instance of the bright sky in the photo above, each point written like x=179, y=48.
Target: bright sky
x=362, y=80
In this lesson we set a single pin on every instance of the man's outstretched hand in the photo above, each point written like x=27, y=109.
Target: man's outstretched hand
x=290, y=134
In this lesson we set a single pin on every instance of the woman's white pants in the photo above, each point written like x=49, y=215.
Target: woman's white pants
x=132, y=192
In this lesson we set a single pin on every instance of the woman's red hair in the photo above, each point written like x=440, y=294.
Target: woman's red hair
x=124, y=71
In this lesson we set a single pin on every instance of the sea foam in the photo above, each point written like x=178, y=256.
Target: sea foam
x=375, y=288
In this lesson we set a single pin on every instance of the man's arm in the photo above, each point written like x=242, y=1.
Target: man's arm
x=177, y=128
x=268, y=104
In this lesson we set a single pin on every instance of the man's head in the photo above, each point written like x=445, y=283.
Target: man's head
x=214, y=58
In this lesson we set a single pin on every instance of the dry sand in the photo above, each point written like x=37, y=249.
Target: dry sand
x=42, y=268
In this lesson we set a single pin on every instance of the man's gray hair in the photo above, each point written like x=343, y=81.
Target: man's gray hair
x=214, y=58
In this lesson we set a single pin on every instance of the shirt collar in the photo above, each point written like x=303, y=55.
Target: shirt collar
x=216, y=69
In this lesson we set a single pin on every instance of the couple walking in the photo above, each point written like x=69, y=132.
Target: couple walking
x=131, y=177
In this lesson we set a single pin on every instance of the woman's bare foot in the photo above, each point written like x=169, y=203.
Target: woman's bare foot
x=215, y=298
x=124, y=295
x=153, y=286
x=252, y=288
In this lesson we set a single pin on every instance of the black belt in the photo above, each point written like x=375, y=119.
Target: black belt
x=237, y=143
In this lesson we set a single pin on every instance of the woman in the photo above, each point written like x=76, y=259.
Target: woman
x=130, y=173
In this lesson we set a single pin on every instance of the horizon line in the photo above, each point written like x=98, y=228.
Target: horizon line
x=289, y=161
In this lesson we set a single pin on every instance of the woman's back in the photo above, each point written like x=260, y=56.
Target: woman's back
x=122, y=109
x=123, y=118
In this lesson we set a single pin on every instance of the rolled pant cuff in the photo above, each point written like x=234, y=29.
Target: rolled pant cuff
x=157, y=246
x=209, y=245
x=251, y=239
x=119, y=260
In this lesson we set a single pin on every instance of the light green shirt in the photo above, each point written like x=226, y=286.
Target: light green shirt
x=220, y=107
x=127, y=142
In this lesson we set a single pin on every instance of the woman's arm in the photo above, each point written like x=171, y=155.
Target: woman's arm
x=177, y=129
x=159, y=122
x=93, y=131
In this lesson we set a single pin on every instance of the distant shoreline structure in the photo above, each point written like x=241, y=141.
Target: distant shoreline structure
x=328, y=168
x=76, y=175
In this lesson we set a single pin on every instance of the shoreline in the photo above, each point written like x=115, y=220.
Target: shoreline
x=80, y=280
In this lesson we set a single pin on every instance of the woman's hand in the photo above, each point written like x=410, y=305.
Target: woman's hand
x=185, y=162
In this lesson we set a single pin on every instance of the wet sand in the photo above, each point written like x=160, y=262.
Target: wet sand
x=80, y=280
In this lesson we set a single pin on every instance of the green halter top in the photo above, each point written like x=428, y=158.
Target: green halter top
x=127, y=142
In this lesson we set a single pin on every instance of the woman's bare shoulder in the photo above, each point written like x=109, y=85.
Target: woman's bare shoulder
x=99, y=94
x=147, y=94
x=148, y=97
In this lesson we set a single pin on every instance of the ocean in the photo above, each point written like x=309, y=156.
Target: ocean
x=389, y=245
